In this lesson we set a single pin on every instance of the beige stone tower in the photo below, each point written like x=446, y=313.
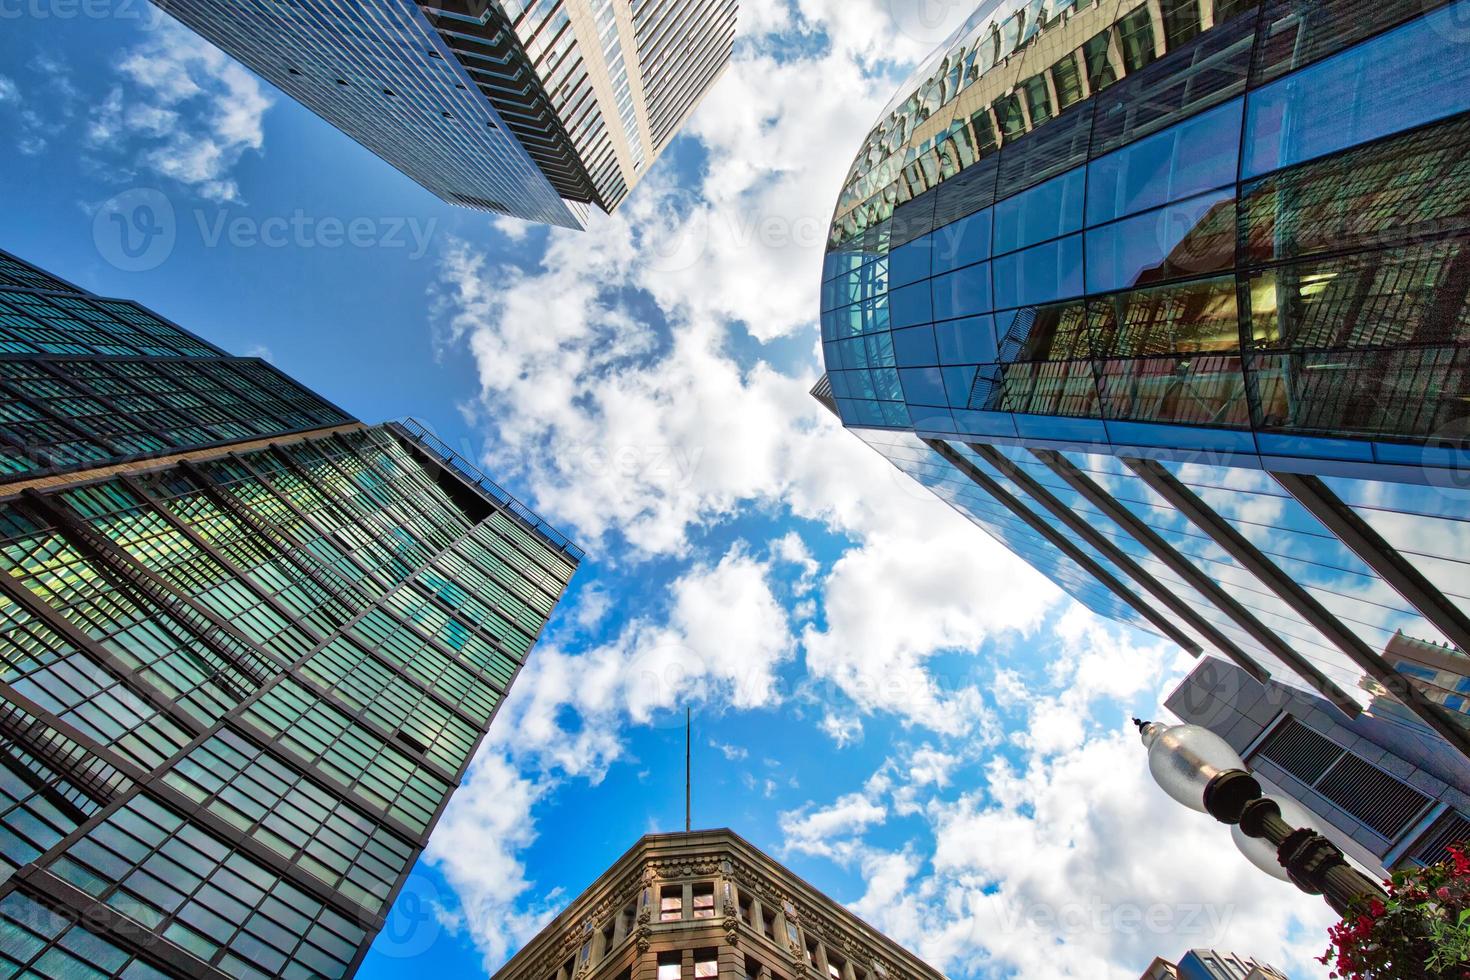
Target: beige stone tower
x=707, y=905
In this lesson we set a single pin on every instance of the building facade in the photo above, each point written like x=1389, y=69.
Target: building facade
x=1375, y=793
x=536, y=109
x=708, y=904
x=1170, y=296
x=1210, y=964
x=248, y=646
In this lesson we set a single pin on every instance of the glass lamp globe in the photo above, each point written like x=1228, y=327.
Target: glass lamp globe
x=1261, y=852
x=1184, y=758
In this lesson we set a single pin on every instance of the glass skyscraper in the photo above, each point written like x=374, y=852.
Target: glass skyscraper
x=531, y=108
x=1171, y=297
x=248, y=647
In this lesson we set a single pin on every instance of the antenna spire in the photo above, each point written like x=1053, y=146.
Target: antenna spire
x=688, y=778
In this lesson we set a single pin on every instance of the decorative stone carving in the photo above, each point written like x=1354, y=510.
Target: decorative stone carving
x=732, y=926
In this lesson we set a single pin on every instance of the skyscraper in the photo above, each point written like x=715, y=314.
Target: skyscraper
x=1210, y=964
x=530, y=108
x=703, y=905
x=1376, y=794
x=1170, y=296
x=248, y=646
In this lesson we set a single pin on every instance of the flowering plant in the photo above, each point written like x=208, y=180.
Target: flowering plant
x=1421, y=933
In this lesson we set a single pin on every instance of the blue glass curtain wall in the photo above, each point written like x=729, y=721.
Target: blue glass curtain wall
x=1314, y=286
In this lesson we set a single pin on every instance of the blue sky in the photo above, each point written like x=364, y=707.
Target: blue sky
x=885, y=699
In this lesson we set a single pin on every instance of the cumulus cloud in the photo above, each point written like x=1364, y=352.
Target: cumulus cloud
x=648, y=351
x=1065, y=862
x=183, y=110
x=476, y=844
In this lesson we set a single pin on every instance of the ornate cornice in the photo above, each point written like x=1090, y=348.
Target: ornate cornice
x=725, y=858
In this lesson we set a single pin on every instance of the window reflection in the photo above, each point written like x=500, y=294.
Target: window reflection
x=1197, y=316
x=1415, y=184
x=1180, y=240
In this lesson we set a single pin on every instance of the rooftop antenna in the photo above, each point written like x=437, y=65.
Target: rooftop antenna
x=688, y=741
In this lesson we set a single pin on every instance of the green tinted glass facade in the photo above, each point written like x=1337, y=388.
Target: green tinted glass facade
x=238, y=685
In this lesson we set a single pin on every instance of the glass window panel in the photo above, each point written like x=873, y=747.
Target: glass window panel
x=1185, y=239
x=915, y=347
x=1415, y=184
x=1299, y=32
x=1044, y=388
x=911, y=262
x=1413, y=295
x=967, y=341
x=1197, y=155
x=1187, y=318
x=1045, y=211
x=962, y=242
x=962, y=293
x=1040, y=274
x=1369, y=91
x=910, y=305
x=923, y=386
x=1198, y=390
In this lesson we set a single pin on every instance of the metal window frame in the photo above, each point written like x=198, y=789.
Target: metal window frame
x=1164, y=483
x=1058, y=540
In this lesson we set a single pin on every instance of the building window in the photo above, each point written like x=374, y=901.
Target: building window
x=834, y=966
x=704, y=901
x=706, y=964
x=671, y=904
x=669, y=965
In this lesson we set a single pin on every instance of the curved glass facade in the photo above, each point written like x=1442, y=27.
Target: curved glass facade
x=1188, y=224
x=1172, y=297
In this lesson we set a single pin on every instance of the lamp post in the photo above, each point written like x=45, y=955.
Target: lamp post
x=1200, y=769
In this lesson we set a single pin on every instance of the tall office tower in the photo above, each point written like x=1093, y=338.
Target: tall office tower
x=1210, y=964
x=1170, y=296
x=248, y=646
x=1375, y=793
x=707, y=905
x=531, y=108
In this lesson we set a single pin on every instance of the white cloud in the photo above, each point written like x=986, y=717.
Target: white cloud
x=182, y=109
x=488, y=821
x=910, y=592
x=734, y=753
x=844, y=729
x=628, y=348
x=8, y=90
x=816, y=830
x=1068, y=863
x=723, y=638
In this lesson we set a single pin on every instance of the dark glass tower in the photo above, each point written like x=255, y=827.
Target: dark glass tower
x=532, y=108
x=248, y=646
x=1171, y=297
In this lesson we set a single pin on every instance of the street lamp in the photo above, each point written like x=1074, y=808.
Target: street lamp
x=1200, y=769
